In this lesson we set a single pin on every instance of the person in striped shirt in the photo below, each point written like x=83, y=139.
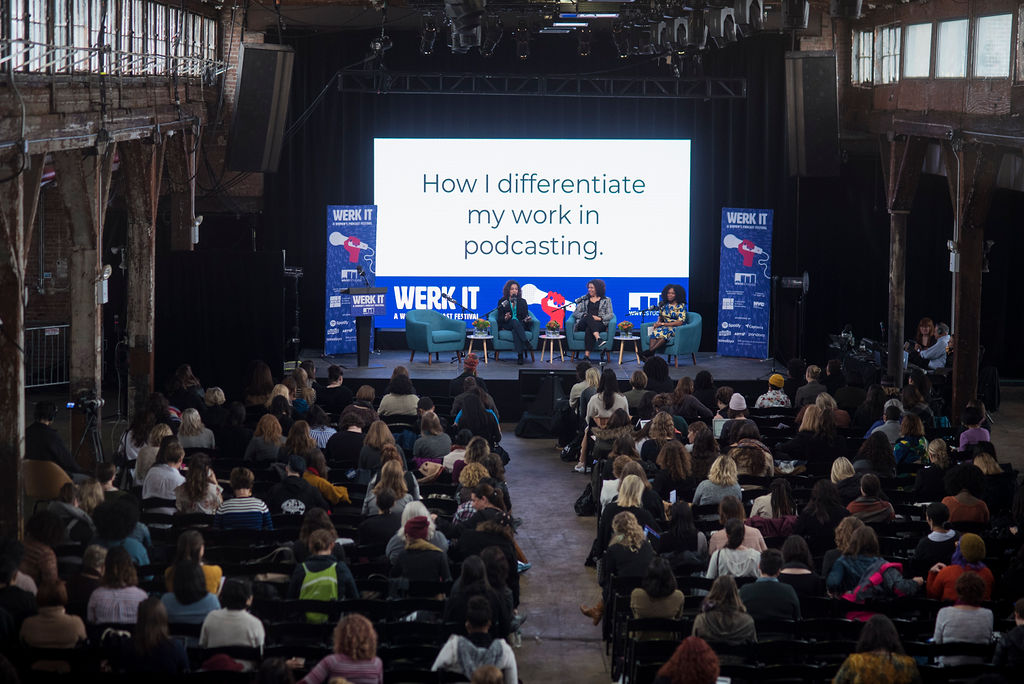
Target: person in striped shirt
x=244, y=511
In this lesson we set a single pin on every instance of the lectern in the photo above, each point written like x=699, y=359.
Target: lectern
x=367, y=302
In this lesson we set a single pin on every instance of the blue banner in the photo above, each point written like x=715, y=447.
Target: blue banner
x=351, y=255
x=545, y=296
x=744, y=283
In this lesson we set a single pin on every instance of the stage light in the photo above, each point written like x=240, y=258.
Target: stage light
x=641, y=41
x=620, y=40
x=583, y=42
x=522, y=37
x=493, y=32
x=465, y=17
x=428, y=36
x=749, y=16
x=721, y=24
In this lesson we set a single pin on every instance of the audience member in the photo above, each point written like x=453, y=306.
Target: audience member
x=965, y=622
x=869, y=506
x=53, y=627
x=334, y=397
x=321, y=576
x=965, y=484
x=939, y=545
x=266, y=442
x=117, y=598
x=317, y=474
x=723, y=618
x=152, y=650
x=232, y=624
x=82, y=584
x=466, y=653
x=722, y=481
x=731, y=508
x=193, y=434
x=879, y=657
x=767, y=598
x=775, y=397
x=189, y=601
x=798, y=568
x=293, y=495
x=1010, y=649
x=693, y=662
x=244, y=511
x=968, y=557
x=734, y=558
x=44, y=443
x=420, y=561
x=818, y=520
x=928, y=482
x=200, y=492
x=191, y=548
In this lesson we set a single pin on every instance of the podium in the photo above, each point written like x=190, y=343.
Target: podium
x=367, y=302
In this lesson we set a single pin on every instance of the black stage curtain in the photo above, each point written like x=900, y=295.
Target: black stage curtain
x=218, y=311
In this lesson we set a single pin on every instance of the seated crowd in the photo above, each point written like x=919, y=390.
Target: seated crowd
x=303, y=533
x=847, y=508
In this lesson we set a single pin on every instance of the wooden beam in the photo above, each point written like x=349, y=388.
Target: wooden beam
x=902, y=159
x=12, y=342
x=83, y=181
x=181, y=177
x=971, y=170
x=142, y=169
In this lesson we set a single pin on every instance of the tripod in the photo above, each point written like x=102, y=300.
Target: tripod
x=92, y=434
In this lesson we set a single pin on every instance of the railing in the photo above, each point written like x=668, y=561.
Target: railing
x=46, y=355
x=69, y=59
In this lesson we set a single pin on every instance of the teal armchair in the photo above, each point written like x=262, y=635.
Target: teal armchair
x=685, y=341
x=503, y=338
x=577, y=340
x=432, y=332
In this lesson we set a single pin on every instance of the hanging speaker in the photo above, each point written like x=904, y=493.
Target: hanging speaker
x=795, y=14
x=845, y=9
x=261, y=107
x=812, y=114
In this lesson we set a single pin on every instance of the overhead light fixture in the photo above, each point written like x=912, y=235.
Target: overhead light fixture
x=569, y=24
x=493, y=32
x=465, y=18
x=428, y=36
x=583, y=37
x=588, y=15
x=749, y=16
x=522, y=37
x=721, y=24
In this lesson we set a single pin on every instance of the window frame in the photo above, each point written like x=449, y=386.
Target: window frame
x=905, y=53
x=888, y=62
x=975, y=43
x=966, y=21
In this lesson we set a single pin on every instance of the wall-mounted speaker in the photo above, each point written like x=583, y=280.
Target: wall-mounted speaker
x=795, y=14
x=812, y=114
x=261, y=107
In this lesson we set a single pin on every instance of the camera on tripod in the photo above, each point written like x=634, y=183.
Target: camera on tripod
x=87, y=401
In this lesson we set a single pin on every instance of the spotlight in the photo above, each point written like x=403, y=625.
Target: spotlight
x=466, y=17
x=428, y=36
x=583, y=42
x=493, y=32
x=620, y=40
x=522, y=37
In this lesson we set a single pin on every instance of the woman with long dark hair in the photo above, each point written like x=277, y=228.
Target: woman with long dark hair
x=681, y=535
x=200, y=492
x=704, y=388
x=473, y=582
x=675, y=472
x=685, y=404
x=798, y=568
x=879, y=657
x=593, y=315
x=152, y=650
x=723, y=617
x=189, y=602
x=400, y=399
x=478, y=420
x=870, y=410
x=607, y=400
x=818, y=520
x=261, y=382
x=671, y=314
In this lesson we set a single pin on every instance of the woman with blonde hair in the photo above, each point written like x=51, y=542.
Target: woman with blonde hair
x=355, y=654
x=279, y=390
x=147, y=454
x=317, y=475
x=377, y=437
x=214, y=412
x=816, y=437
x=469, y=477
x=928, y=483
x=844, y=539
x=90, y=495
x=192, y=434
x=630, y=500
x=722, y=482
x=266, y=441
x=392, y=479
x=659, y=432
x=199, y=493
x=629, y=554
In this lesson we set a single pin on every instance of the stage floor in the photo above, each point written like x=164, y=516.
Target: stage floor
x=381, y=365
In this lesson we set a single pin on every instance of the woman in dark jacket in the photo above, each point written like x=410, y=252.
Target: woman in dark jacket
x=421, y=561
x=473, y=582
x=816, y=439
x=817, y=521
x=478, y=420
x=490, y=525
x=630, y=500
x=629, y=555
x=929, y=483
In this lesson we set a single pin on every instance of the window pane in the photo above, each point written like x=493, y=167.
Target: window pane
x=992, y=46
x=60, y=34
x=80, y=37
x=889, y=71
x=37, y=34
x=917, y=59
x=951, y=49
x=862, y=63
x=17, y=34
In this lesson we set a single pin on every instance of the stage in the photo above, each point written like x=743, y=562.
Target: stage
x=514, y=386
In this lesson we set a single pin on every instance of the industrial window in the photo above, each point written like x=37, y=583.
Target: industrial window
x=992, y=46
x=917, y=54
x=61, y=35
x=17, y=34
x=37, y=24
x=863, y=57
x=889, y=54
x=951, y=49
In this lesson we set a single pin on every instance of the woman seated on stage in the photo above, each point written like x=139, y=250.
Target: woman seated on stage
x=513, y=315
x=671, y=314
x=593, y=315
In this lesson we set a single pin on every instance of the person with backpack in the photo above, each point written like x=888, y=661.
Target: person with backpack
x=322, y=577
x=865, y=575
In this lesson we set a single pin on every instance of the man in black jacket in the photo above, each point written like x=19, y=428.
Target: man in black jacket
x=43, y=443
x=768, y=598
x=293, y=494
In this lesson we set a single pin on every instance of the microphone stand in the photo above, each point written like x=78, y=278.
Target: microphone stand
x=457, y=356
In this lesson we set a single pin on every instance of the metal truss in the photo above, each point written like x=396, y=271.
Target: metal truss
x=659, y=87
